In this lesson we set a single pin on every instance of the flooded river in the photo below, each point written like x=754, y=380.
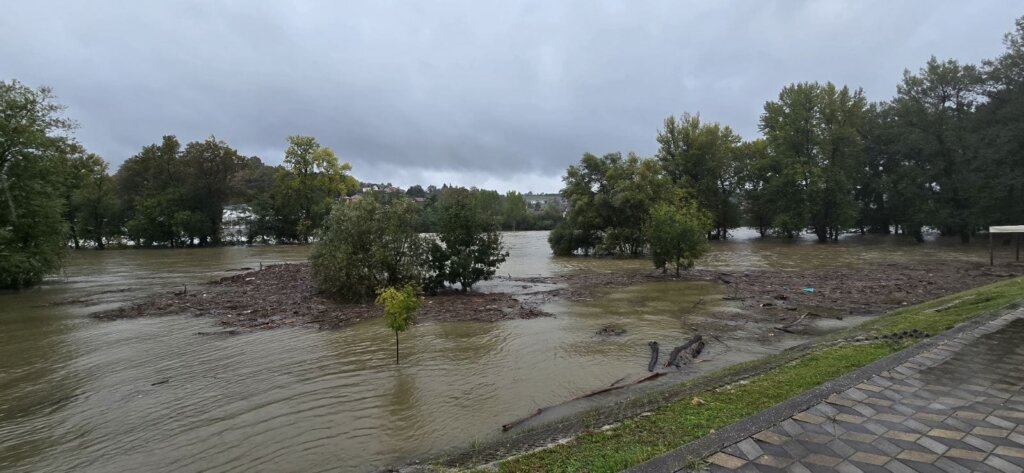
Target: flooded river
x=77, y=394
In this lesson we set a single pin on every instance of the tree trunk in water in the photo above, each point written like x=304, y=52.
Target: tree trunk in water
x=822, y=234
x=916, y=231
x=396, y=347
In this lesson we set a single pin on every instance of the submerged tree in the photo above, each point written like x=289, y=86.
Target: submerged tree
x=208, y=167
x=703, y=158
x=514, y=211
x=92, y=206
x=813, y=130
x=677, y=235
x=34, y=146
x=468, y=247
x=306, y=188
x=757, y=169
x=369, y=244
x=932, y=112
x=609, y=198
x=399, y=309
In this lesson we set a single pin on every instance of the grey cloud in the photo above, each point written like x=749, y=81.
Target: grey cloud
x=503, y=94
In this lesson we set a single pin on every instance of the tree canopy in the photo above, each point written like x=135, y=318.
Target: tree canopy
x=35, y=143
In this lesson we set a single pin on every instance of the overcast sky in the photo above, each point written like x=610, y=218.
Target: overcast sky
x=493, y=94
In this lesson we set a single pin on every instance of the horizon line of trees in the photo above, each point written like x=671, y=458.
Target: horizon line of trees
x=946, y=153
x=55, y=194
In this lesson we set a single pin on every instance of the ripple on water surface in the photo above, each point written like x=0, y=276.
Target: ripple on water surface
x=150, y=395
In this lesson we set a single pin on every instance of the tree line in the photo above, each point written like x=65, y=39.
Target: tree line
x=56, y=194
x=946, y=153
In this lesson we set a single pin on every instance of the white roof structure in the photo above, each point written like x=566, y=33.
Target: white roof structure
x=1007, y=229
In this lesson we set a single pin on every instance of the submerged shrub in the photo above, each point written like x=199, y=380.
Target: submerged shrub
x=369, y=244
x=469, y=247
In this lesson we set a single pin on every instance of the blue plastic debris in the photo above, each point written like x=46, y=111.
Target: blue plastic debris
x=808, y=289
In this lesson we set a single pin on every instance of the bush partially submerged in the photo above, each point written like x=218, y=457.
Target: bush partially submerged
x=677, y=235
x=369, y=244
x=469, y=247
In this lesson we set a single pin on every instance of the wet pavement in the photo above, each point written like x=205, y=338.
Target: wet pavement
x=957, y=407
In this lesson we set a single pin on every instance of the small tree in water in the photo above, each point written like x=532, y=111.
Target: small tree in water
x=399, y=309
x=677, y=235
x=468, y=247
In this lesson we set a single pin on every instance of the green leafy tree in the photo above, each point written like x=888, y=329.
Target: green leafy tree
x=998, y=131
x=757, y=169
x=400, y=307
x=468, y=247
x=677, y=235
x=304, y=191
x=416, y=191
x=514, y=211
x=703, y=157
x=933, y=109
x=151, y=191
x=814, y=132
x=874, y=191
x=34, y=146
x=609, y=199
x=92, y=204
x=208, y=166
x=490, y=205
x=369, y=244
x=80, y=168
x=253, y=180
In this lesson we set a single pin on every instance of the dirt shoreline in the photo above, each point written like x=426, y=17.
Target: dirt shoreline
x=284, y=295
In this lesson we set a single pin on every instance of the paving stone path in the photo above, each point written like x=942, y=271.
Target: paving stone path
x=958, y=407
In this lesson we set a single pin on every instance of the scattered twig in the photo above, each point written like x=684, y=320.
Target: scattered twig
x=786, y=328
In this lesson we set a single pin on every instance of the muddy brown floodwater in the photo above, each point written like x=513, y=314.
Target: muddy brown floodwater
x=149, y=394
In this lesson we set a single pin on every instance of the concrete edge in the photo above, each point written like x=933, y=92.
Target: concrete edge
x=679, y=458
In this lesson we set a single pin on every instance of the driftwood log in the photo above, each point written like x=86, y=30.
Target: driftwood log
x=654, y=356
x=686, y=352
x=788, y=327
x=506, y=427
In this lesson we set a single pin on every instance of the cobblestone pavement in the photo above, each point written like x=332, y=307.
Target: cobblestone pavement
x=958, y=407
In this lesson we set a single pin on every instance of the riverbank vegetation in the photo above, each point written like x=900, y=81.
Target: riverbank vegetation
x=56, y=194
x=699, y=413
x=943, y=154
x=372, y=244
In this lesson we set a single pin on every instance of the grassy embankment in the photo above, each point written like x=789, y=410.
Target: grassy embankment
x=685, y=420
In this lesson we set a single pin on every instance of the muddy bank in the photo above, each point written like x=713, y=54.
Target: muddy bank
x=786, y=295
x=284, y=295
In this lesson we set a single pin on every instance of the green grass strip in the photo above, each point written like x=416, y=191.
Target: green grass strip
x=640, y=439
